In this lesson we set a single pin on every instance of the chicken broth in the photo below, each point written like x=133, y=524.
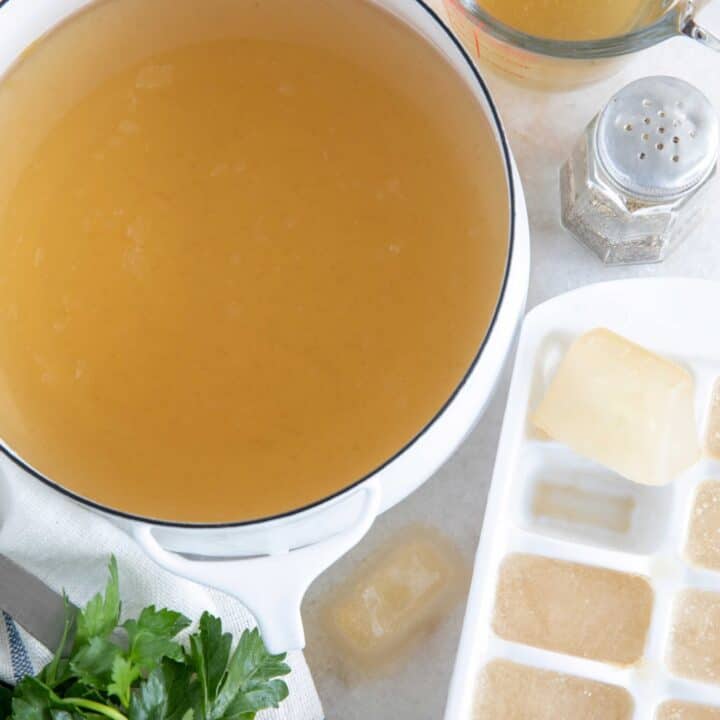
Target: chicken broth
x=575, y=19
x=249, y=250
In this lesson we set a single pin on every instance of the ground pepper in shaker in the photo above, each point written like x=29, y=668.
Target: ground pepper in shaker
x=635, y=185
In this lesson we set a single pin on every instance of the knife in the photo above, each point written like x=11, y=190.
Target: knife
x=32, y=604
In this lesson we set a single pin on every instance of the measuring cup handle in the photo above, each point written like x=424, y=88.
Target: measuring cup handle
x=689, y=27
x=272, y=587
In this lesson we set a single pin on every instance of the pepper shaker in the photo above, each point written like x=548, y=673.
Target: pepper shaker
x=635, y=185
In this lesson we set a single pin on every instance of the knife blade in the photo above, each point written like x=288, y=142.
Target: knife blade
x=33, y=605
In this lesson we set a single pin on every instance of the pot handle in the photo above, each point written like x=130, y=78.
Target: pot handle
x=272, y=587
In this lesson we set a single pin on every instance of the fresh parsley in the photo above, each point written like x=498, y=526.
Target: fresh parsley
x=138, y=670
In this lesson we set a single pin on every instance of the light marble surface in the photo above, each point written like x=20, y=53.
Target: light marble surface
x=542, y=128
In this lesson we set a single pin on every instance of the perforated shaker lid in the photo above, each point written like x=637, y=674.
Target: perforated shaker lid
x=658, y=138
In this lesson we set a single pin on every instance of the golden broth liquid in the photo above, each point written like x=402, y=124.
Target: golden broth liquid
x=574, y=19
x=247, y=250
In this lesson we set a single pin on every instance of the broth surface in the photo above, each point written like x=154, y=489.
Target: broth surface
x=249, y=250
x=574, y=19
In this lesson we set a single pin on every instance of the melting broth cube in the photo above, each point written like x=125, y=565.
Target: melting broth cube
x=403, y=590
x=695, y=641
x=677, y=710
x=703, y=546
x=570, y=608
x=507, y=691
x=712, y=439
x=623, y=406
x=570, y=504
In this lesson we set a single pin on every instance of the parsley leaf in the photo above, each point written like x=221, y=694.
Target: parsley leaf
x=209, y=653
x=247, y=686
x=247, y=703
x=57, y=669
x=102, y=614
x=150, y=703
x=151, y=676
x=6, y=695
x=34, y=700
x=151, y=636
x=93, y=663
x=166, y=695
x=177, y=678
x=231, y=687
x=123, y=675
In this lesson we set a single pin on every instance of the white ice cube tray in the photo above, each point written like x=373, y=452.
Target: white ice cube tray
x=677, y=318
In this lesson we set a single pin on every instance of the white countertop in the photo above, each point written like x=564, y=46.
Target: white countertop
x=542, y=129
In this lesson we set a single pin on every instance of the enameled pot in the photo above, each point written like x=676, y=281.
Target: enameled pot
x=285, y=554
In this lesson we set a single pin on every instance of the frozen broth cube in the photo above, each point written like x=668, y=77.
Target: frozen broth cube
x=677, y=710
x=703, y=546
x=695, y=638
x=623, y=406
x=507, y=691
x=713, y=429
x=576, y=609
x=400, y=592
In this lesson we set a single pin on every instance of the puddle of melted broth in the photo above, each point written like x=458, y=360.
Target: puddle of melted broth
x=248, y=250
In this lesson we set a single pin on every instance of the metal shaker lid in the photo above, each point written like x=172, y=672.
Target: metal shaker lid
x=658, y=138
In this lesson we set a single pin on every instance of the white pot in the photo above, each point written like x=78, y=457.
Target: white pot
x=269, y=564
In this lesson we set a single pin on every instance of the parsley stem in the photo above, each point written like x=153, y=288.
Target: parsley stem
x=106, y=710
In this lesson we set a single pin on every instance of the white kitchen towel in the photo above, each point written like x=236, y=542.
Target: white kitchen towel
x=69, y=547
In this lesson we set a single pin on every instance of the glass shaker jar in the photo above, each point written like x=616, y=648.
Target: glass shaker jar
x=636, y=183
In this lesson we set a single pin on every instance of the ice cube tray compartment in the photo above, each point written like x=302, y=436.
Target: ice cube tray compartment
x=702, y=546
x=568, y=497
x=712, y=423
x=546, y=500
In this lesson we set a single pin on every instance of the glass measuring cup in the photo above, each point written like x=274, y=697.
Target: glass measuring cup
x=548, y=63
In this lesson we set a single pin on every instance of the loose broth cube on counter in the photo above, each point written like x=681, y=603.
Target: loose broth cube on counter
x=576, y=609
x=677, y=710
x=400, y=592
x=695, y=640
x=703, y=546
x=712, y=440
x=623, y=406
x=507, y=691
